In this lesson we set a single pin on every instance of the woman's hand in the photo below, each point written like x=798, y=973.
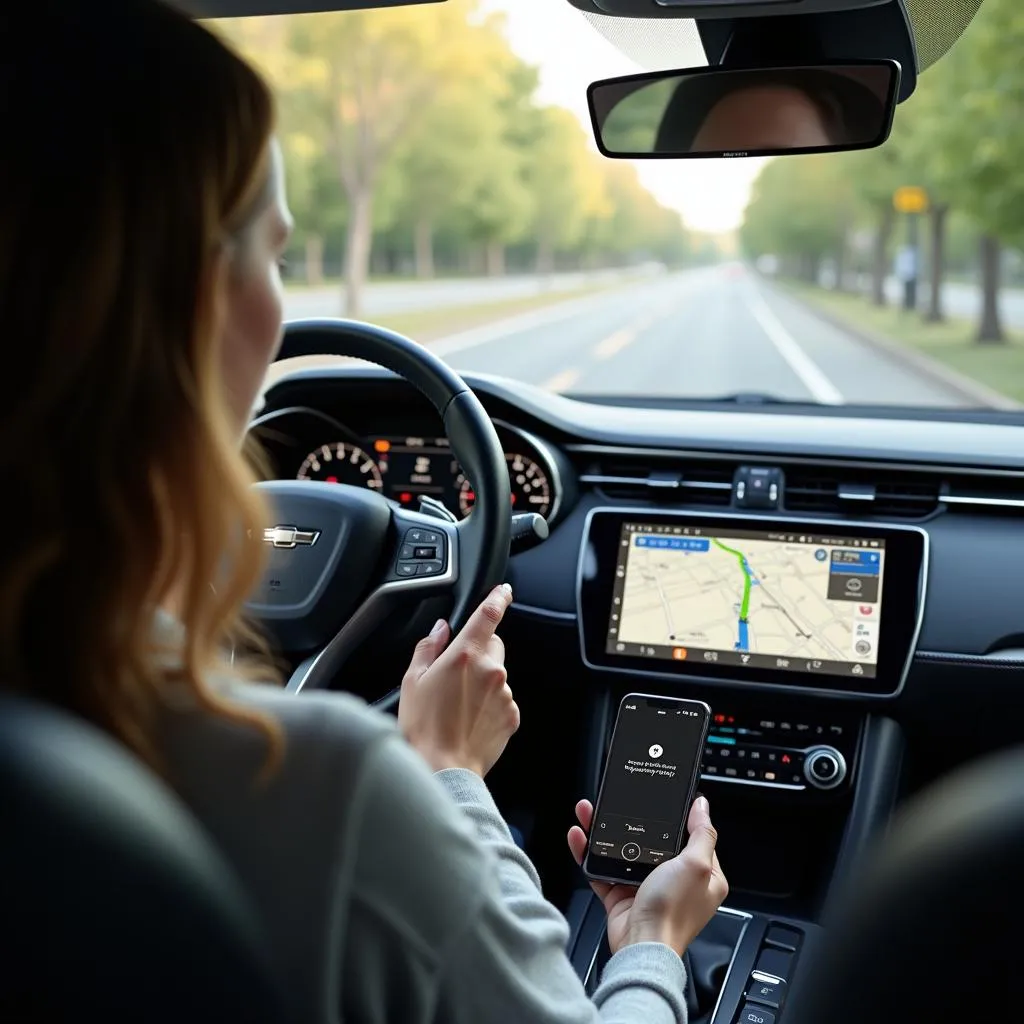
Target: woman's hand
x=676, y=899
x=456, y=707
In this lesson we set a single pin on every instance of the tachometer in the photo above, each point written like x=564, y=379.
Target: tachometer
x=342, y=463
x=531, y=489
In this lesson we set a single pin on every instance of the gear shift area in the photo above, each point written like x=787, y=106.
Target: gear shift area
x=738, y=970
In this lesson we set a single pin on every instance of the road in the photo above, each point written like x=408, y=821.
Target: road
x=705, y=332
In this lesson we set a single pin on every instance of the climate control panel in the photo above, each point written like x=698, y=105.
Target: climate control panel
x=788, y=754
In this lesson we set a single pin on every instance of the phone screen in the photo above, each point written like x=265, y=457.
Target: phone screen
x=649, y=782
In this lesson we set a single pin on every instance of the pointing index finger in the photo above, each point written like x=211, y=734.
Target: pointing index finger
x=486, y=619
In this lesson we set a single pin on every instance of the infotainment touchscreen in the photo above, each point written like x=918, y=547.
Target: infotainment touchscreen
x=763, y=598
x=831, y=606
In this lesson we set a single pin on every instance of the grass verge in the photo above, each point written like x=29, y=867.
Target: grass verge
x=431, y=324
x=950, y=343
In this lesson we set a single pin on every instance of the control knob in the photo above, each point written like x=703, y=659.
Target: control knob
x=824, y=767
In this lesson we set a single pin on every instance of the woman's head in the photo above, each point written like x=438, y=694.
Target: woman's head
x=795, y=108
x=141, y=220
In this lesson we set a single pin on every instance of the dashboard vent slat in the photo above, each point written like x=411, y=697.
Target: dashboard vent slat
x=676, y=482
x=878, y=493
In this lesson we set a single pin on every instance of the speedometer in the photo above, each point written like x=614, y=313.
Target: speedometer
x=341, y=463
x=531, y=489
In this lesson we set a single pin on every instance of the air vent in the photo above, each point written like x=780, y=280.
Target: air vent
x=826, y=488
x=890, y=495
x=671, y=481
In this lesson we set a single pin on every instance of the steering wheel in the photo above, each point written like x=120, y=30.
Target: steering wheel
x=342, y=558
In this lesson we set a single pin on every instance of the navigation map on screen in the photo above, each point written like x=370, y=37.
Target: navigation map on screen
x=768, y=599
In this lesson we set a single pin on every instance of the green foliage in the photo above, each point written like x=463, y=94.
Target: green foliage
x=428, y=116
x=800, y=207
x=632, y=124
x=973, y=125
x=959, y=136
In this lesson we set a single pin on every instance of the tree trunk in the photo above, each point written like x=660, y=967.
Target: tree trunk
x=840, y=282
x=990, y=330
x=358, y=246
x=937, y=270
x=424, y=248
x=314, y=260
x=494, y=259
x=880, y=258
x=545, y=257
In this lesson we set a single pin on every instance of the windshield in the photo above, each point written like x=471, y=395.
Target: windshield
x=445, y=183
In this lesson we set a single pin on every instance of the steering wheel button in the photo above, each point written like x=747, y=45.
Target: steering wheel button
x=418, y=536
x=429, y=568
x=406, y=569
x=424, y=552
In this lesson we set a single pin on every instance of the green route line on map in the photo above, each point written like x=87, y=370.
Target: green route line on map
x=745, y=568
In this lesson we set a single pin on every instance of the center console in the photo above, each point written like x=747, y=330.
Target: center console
x=796, y=633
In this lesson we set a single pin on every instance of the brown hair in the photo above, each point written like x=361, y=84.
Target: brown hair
x=136, y=150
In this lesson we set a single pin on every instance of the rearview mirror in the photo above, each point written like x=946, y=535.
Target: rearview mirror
x=715, y=112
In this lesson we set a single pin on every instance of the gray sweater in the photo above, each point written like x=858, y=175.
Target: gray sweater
x=392, y=894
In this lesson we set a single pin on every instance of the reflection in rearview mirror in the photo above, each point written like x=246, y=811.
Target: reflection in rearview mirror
x=705, y=112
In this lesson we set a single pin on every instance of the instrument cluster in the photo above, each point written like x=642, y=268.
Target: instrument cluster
x=305, y=444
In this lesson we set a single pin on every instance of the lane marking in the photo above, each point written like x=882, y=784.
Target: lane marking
x=625, y=336
x=563, y=309
x=562, y=381
x=810, y=374
x=615, y=343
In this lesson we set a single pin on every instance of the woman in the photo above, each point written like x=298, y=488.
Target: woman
x=143, y=217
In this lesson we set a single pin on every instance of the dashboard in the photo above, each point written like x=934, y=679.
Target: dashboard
x=943, y=499
x=842, y=586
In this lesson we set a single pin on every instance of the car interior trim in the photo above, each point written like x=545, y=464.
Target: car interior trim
x=568, y=618
x=810, y=460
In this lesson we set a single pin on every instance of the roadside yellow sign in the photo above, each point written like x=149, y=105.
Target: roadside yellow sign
x=910, y=199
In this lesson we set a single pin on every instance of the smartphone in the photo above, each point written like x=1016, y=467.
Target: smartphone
x=650, y=780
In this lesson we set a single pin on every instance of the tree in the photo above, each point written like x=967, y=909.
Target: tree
x=458, y=140
x=798, y=211
x=977, y=145
x=368, y=77
x=419, y=131
x=632, y=124
x=566, y=185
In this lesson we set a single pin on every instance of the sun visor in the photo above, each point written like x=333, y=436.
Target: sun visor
x=657, y=37
x=250, y=8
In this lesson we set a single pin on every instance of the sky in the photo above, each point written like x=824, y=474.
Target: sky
x=570, y=54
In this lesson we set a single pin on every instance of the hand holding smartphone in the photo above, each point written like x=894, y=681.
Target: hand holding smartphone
x=650, y=780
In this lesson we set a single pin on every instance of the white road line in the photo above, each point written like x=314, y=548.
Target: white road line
x=562, y=381
x=810, y=374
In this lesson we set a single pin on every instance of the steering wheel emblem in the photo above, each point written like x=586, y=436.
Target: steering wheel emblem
x=289, y=536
